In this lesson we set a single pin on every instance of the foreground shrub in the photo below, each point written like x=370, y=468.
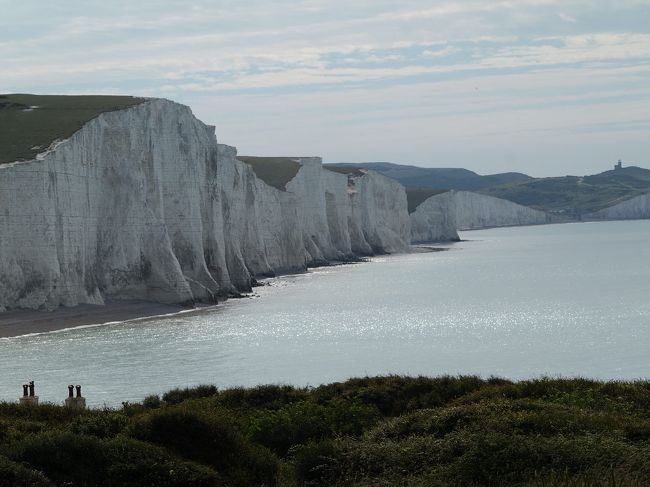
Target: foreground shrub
x=210, y=439
x=103, y=424
x=395, y=395
x=261, y=397
x=68, y=459
x=176, y=396
x=15, y=475
x=317, y=463
x=399, y=431
x=306, y=421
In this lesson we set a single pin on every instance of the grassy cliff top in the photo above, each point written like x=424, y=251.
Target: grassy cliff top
x=30, y=123
x=417, y=196
x=274, y=171
x=348, y=170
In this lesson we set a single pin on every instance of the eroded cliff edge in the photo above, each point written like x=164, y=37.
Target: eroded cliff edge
x=144, y=203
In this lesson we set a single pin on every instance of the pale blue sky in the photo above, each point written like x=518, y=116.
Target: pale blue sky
x=546, y=87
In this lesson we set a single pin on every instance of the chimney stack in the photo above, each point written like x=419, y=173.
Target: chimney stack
x=78, y=402
x=29, y=395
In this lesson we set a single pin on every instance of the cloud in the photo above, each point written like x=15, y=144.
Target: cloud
x=373, y=63
x=566, y=18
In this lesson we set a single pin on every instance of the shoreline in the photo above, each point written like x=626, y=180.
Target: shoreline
x=21, y=322
x=24, y=322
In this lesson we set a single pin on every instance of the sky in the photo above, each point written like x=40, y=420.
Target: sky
x=544, y=87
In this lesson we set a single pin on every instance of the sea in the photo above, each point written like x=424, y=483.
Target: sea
x=562, y=300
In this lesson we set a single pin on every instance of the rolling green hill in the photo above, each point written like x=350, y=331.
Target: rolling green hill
x=30, y=123
x=439, y=178
x=574, y=196
x=568, y=197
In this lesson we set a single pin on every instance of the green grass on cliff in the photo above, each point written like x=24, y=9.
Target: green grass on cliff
x=417, y=196
x=396, y=431
x=27, y=131
x=274, y=171
x=347, y=170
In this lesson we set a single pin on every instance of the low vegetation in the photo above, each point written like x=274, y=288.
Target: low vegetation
x=274, y=171
x=29, y=124
x=396, y=431
x=347, y=170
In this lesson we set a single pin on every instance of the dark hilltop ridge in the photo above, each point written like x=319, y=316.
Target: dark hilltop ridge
x=438, y=178
x=402, y=431
x=577, y=195
x=570, y=197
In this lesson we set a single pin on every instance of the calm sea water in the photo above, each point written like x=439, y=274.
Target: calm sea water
x=515, y=302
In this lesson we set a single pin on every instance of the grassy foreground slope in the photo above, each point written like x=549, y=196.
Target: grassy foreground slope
x=274, y=171
x=30, y=123
x=363, y=432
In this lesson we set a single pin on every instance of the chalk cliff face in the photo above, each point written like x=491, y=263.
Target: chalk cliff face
x=434, y=220
x=633, y=209
x=438, y=217
x=475, y=210
x=143, y=203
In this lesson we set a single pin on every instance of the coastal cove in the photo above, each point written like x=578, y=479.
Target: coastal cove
x=516, y=302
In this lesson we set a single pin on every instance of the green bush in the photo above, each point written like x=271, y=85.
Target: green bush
x=261, y=397
x=15, y=475
x=392, y=430
x=176, y=396
x=103, y=424
x=316, y=463
x=306, y=421
x=152, y=402
x=395, y=395
x=69, y=459
x=210, y=439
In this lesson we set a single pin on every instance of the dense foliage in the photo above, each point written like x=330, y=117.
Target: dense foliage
x=363, y=432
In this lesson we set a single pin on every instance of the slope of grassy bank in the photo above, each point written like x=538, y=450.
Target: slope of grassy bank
x=30, y=123
x=363, y=432
x=274, y=171
x=416, y=196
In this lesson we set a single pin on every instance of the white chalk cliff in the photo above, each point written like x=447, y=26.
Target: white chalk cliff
x=144, y=203
x=439, y=217
x=434, y=220
x=637, y=208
